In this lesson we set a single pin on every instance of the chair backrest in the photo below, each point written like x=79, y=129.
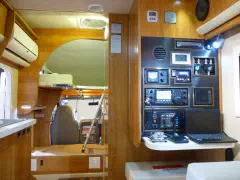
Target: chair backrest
x=64, y=129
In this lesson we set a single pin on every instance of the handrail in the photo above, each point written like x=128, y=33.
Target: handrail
x=93, y=121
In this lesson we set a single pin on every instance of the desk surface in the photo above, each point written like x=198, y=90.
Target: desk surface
x=170, y=146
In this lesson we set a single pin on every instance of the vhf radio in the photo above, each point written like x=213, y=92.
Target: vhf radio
x=167, y=97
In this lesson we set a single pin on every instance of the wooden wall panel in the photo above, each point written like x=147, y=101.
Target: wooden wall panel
x=121, y=148
x=3, y=17
x=48, y=98
x=65, y=165
x=135, y=74
x=118, y=103
x=49, y=40
x=139, y=27
x=186, y=21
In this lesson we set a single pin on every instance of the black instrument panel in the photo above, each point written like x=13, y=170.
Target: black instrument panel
x=173, y=84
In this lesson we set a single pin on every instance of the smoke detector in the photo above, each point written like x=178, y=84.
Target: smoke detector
x=93, y=22
x=97, y=8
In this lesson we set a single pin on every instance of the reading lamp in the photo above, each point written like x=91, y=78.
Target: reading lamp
x=216, y=43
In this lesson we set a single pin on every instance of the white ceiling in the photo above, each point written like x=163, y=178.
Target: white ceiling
x=54, y=19
x=84, y=59
x=110, y=6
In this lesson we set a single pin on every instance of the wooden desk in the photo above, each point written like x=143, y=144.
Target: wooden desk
x=170, y=146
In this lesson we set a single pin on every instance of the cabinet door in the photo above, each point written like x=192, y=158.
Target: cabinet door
x=22, y=157
x=6, y=168
x=15, y=157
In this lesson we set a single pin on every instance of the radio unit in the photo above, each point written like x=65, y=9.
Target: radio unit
x=163, y=119
x=166, y=96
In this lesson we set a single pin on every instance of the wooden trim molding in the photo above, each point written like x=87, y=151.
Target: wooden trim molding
x=7, y=5
x=135, y=74
x=9, y=26
x=225, y=27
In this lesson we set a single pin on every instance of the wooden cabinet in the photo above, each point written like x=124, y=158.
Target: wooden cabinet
x=3, y=17
x=15, y=156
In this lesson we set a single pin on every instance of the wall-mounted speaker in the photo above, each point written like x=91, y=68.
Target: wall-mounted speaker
x=202, y=9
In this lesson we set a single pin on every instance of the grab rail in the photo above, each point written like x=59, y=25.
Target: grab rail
x=93, y=120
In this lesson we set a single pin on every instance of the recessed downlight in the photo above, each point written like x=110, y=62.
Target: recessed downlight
x=97, y=8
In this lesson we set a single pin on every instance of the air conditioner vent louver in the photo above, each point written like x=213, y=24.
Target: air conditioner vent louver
x=159, y=53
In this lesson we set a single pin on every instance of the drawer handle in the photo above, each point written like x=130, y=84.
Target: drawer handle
x=19, y=134
x=23, y=132
x=28, y=130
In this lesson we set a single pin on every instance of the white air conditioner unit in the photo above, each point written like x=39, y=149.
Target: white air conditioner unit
x=21, y=49
x=56, y=80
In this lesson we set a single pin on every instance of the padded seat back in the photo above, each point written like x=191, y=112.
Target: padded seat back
x=64, y=129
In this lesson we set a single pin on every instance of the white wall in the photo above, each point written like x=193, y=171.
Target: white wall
x=84, y=111
x=231, y=122
x=14, y=84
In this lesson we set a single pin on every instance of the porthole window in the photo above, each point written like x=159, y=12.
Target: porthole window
x=5, y=92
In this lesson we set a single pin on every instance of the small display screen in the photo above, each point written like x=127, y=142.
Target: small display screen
x=166, y=120
x=152, y=13
x=181, y=58
x=163, y=95
x=183, y=76
x=152, y=76
x=185, y=73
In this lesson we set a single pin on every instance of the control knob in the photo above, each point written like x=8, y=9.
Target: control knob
x=177, y=100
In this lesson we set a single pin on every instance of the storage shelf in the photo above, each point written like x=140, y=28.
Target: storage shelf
x=38, y=108
x=170, y=146
x=54, y=88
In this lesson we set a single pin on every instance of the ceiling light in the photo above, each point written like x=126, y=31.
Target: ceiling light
x=73, y=20
x=215, y=43
x=178, y=2
x=27, y=107
x=97, y=8
x=94, y=22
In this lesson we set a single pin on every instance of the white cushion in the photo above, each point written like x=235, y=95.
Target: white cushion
x=214, y=171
